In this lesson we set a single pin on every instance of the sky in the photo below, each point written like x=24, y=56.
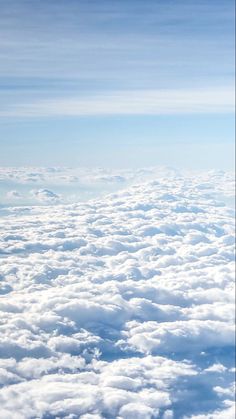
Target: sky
x=117, y=84
x=117, y=281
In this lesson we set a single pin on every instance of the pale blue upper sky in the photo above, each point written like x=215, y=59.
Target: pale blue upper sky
x=125, y=82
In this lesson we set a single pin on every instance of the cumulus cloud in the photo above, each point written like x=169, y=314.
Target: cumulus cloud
x=120, y=307
x=81, y=184
x=72, y=184
x=45, y=195
x=14, y=195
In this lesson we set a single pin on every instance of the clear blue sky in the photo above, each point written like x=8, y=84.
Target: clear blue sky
x=117, y=83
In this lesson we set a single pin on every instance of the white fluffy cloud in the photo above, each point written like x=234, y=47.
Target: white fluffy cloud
x=14, y=195
x=34, y=185
x=121, y=307
x=53, y=185
x=45, y=195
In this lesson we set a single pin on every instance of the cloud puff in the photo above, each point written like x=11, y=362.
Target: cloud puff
x=45, y=195
x=120, y=307
x=14, y=195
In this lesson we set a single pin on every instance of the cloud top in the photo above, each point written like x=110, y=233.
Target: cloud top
x=122, y=307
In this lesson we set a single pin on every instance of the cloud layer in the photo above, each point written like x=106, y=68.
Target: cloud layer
x=53, y=185
x=121, y=308
x=143, y=102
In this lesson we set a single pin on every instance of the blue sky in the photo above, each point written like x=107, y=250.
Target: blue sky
x=117, y=83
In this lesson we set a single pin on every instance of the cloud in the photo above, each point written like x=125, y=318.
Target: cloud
x=131, y=102
x=121, y=306
x=45, y=195
x=68, y=175
x=14, y=195
x=66, y=47
x=227, y=413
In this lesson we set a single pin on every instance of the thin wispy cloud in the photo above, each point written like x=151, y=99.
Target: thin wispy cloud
x=143, y=102
x=117, y=43
x=62, y=59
